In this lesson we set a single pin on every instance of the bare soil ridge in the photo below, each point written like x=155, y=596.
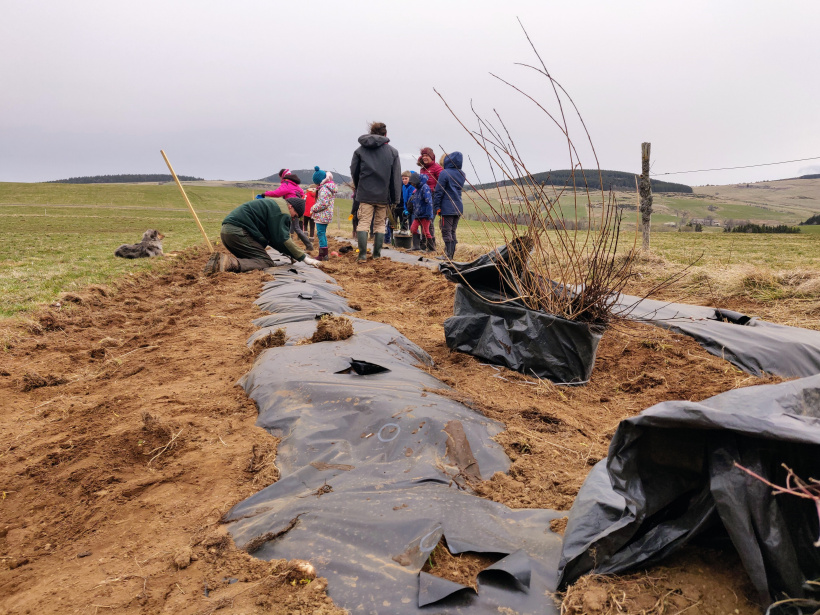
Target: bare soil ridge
x=118, y=466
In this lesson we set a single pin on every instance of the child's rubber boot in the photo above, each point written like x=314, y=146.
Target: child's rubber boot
x=415, y=245
x=322, y=254
x=378, y=242
x=431, y=244
x=361, y=237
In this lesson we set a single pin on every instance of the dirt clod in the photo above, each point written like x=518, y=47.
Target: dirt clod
x=594, y=600
x=33, y=380
x=182, y=558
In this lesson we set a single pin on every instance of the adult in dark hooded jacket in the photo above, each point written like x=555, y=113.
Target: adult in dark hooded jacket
x=376, y=173
x=447, y=199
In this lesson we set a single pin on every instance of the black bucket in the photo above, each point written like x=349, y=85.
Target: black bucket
x=403, y=241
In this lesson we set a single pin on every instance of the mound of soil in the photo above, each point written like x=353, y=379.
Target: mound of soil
x=124, y=440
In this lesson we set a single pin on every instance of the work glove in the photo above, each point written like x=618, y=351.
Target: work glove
x=312, y=261
x=406, y=213
x=260, y=196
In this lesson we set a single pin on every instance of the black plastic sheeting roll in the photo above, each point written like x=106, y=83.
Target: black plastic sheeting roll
x=376, y=470
x=670, y=475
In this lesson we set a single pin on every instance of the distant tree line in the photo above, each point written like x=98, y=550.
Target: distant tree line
x=749, y=227
x=522, y=219
x=123, y=179
x=812, y=176
x=815, y=219
x=611, y=179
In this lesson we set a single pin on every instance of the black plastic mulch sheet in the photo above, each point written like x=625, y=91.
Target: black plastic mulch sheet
x=298, y=330
x=670, y=475
x=753, y=345
x=376, y=468
x=300, y=288
x=489, y=323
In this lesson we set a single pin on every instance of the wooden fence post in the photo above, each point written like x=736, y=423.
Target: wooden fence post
x=646, y=194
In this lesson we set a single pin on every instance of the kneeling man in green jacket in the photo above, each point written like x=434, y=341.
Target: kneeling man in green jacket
x=252, y=226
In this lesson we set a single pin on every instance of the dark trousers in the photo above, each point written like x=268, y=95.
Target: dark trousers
x=296, y=227
x=245, y=248
x=449, y=224
x=309, y=223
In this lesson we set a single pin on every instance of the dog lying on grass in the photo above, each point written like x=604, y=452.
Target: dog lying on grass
x=151, y=245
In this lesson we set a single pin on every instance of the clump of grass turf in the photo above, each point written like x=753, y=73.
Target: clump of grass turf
x=332, y=328
x=271, y=340
x=33, y=380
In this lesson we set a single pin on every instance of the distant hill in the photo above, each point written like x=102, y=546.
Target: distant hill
x=812, y=176
x=124, y=179
x=611, y=179
x=305, y=175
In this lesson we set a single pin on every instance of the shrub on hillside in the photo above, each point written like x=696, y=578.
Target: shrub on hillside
x=760, y=228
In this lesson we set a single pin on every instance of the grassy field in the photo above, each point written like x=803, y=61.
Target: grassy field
x=62, y=237
x=781, y=202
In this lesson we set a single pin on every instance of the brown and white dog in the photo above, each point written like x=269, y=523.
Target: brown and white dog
x=151, y=245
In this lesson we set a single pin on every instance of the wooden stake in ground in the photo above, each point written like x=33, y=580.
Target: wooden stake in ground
x=646, y=194
x=185, y=196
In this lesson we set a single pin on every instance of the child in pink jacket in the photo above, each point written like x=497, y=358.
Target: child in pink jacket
x=287, y=189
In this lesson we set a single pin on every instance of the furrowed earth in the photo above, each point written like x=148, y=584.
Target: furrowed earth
x=125, y=440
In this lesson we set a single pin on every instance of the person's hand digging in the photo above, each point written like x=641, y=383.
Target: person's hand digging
x=312, y=261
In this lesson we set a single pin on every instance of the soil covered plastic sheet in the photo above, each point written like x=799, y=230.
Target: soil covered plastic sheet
x=670, y=475
x=753, y=345
x=376, y=469
x=490, y=323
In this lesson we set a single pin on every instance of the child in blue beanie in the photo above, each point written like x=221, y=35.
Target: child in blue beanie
x=322, y=210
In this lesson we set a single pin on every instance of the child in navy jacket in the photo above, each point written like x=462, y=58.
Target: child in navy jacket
x=422, y=201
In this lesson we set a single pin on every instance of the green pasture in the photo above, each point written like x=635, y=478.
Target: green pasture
x=62, y=237
x=573, y=207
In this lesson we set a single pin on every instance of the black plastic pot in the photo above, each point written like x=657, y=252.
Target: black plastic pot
x=532, y=342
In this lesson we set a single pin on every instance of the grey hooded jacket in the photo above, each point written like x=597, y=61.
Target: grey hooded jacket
x=376, y=171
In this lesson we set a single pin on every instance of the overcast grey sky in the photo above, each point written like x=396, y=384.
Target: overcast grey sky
x=236, y=90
